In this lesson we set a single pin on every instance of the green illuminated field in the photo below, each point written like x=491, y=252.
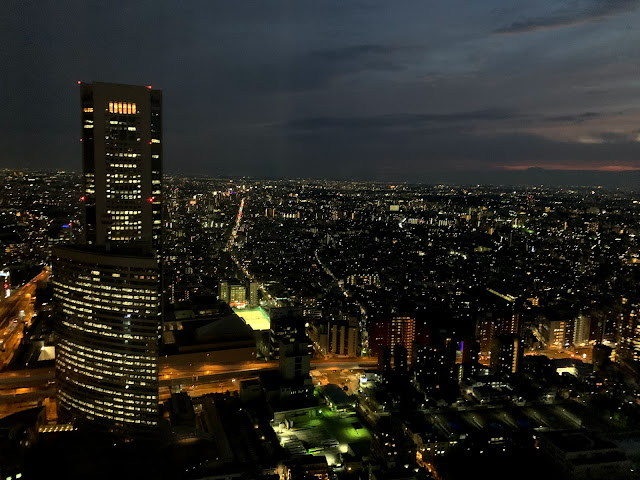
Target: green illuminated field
x=345, y=429
x=256, y=318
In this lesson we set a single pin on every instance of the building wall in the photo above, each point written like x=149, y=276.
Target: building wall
x=391, y=331
x=122, y=163
x=295, y=361
x=629, y=341
x=506, y=354
x=107, y=326
x=223, y=291
x=582, y=330
x=557, y=331
x=237, y=294
x=344, y=339
x=253, y=294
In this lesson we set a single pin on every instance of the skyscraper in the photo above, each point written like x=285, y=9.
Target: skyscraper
x=108, y=307
x=107, y=292
x=122, y=163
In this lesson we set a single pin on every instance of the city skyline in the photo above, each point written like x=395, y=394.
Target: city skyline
x=361, y=91
x=320, y=240
x=504, y=320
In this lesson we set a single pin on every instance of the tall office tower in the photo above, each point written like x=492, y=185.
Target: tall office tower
x=107, y=294
x=107, y=338
x=122, y=163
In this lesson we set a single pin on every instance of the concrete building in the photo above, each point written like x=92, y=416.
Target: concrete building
x=122, y=163
x=581, y=330
x=286, y=325
x=343, y=339
x=234, y=293
x=237, y=295
x=107, y=292
x=253, y=294
x=507, y=352
x=223, y=291
x=107, y=308
x=580, y=454
x=291, y=386
x=497, y=316
x=433, y=365
x=392, y=331
x=629, y=327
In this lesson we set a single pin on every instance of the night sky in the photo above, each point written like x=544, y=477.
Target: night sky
x=394, y=90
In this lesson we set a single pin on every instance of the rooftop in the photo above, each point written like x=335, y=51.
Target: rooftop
x=256, y=318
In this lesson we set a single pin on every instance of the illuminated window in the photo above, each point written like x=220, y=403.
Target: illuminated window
x=124, y=108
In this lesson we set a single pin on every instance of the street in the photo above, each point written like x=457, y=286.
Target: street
x=15, y=312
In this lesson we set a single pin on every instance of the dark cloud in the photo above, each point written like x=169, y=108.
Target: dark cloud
x=432, y=124
x=579, y=12
x=331, y=88
x=354, y=52
x=314, y=69
x=396, y=121
x=613, y=137
x=373, y=150
x=577, y=118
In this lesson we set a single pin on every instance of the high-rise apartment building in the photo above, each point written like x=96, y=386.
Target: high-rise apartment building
x=253, y=294
x=506, y=354
x=343, y=338
x=497, y=315
x=389, y=332
x=223, y=291
x=122, y=163
x=628, y=348
x=107, y=293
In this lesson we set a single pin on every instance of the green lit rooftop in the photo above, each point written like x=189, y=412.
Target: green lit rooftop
x=256, y=318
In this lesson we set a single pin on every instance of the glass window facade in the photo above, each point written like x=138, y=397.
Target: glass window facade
x=107, y=331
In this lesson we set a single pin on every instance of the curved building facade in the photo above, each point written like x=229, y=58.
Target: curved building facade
x=107, y=328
